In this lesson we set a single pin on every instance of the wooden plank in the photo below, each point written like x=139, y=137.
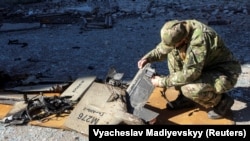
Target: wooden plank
x=78, y=87
x=190, y=116
x=4, y=110
x=52, y=121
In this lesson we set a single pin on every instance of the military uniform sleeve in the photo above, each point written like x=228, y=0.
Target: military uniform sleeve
x=192, y=65
x=158, y=54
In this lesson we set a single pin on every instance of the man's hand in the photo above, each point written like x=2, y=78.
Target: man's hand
x=156, y=81
x=141, y=63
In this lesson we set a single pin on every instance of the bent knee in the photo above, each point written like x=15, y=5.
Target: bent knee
x=223, y=84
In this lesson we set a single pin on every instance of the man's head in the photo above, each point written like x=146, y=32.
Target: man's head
x=172, y=33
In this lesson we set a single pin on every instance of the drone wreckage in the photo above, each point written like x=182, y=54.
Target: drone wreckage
x=124, y=102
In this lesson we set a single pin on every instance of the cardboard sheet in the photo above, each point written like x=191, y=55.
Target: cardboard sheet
x=189, y=116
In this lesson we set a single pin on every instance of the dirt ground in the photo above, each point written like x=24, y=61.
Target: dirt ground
x=64, y=51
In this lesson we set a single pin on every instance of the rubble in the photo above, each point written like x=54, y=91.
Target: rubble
x=7, y=27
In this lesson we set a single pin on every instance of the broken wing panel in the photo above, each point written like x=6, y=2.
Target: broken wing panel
x=141, y=91
x=138, y=93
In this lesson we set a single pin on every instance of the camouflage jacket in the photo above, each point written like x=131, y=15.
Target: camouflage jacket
x=204, y=51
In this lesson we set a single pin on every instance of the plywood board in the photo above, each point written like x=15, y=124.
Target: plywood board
x=4, y=110
x=52, y=121
x=188, y=116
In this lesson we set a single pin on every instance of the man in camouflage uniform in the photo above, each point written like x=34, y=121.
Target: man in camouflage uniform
x=201, y=67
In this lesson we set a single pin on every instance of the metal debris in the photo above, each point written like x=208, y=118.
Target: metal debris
x=39, y=88
x=16, y=42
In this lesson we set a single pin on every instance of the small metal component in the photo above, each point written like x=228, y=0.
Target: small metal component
x=150, y=72
x=114, y=78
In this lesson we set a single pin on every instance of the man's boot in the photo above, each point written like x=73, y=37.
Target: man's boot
x=180, y=102
x=222, y=108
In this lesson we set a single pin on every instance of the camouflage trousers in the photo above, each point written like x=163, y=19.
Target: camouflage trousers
x=208, y=89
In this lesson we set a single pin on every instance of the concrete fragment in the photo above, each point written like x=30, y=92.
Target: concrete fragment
x=6, y=27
